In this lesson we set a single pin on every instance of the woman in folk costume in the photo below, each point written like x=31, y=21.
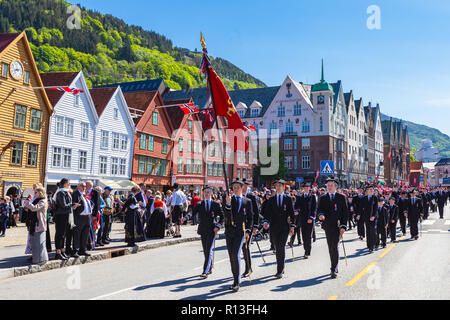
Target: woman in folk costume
x=134, y=231
x=156, y=224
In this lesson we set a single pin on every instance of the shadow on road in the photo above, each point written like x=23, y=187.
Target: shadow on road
x=302, y=283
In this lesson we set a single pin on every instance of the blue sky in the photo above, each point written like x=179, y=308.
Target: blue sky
x=404, y=66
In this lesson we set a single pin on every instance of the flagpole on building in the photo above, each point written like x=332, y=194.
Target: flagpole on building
x=215, y=116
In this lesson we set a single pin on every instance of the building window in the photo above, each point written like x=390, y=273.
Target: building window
x=122, y=167
x=151, y=143
x=155, y=118
x=297, y=109
x=124, y=142
x=295, y=163
x=306, y=144
x=35, y=123
x=244, y=174
x=238, y=174
x=289, y=163
x=21, y=117
x=220, y=170
x=17, y=152
x=116, y=113
x=198, y=166
x=59, y=125
x=180, y=145
x=289, y=127
x=32, y=155
x=241, y=113
x=165, y=146
x=116, y=141
x=190, y=126
x=84, y=131
x=67, y=160
x=150, y=166
x=114, y=166
x=273, y=127
x=288, y=144
x=5, y=70
x=188, y=166
x=189, y=146
x=57, y=153
x=281, y=111
x=305, y=126
x=143, y=141
x=306, y=163
x=210, y=169
x=69, y=127
x=180, y=166
x=83, y=160
x=255, y=113
x=105, y=140
x=27, y=77
x=103, y=165
x=77, y=100
x=321, y=124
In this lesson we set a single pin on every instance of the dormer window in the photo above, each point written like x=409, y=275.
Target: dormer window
x=255, y=113
x=241, y=113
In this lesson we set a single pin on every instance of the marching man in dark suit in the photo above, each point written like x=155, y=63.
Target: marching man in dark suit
x=369, y=212
x=238, y=221
x=402, y=208
x=382, y=223
x=333, y=213
x=280, y=217
x=210, y=217
x=306, y=206
x=357, y=207
x=247, y=256
x=441, y=196
x=393, y=218
x=415, y=213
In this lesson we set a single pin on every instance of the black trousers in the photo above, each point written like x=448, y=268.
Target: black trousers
x=402, y=218
x=69, y=239
x=235, y=241
x=107, y=223
x=61, y=224
x=279, y=242
x=208, y=246
x=426, y=211
x=296, y=233
x=332, y=235
x=441, y=211
x=393, y=230
x=361, y=227
x=48, y=240
x=81, y=233
x=381, y=234
x=307, y=229
x=371, y=233
x=413, y=225
x=247, y=254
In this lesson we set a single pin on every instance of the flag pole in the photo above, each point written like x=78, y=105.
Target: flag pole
x=217, y=122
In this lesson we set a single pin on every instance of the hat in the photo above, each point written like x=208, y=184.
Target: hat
x=333, y=180
x=392, y=198
x=306, y=184
x=207, y=187
x=381, y=199
x=238, y=182
x=108, y=188
x=279, y=181
x=245, y=182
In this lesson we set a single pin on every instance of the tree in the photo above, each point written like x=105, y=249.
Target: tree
x=282, y=173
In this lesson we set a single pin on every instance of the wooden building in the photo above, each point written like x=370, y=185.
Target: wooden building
x=24, y=117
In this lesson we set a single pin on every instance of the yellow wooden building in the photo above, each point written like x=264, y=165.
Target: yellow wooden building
x=24, y=117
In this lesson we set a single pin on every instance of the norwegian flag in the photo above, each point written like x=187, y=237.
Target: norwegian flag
x=189, y=108
x=209, y=120
x=317, y=175
x=390, y=155
x=74, y=91
x=249, y=128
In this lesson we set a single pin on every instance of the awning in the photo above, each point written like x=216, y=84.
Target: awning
x=117, y=185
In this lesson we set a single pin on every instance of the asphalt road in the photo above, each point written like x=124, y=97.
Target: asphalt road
x=405, y=270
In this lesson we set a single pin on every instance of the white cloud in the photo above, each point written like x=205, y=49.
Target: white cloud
x=439, y=103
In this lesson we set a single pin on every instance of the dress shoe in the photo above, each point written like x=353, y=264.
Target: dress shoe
x=234, y=287
x=203, y=276
x=85, y=254
x=306, y=256
x=75, y=255
x=65, y=255
x=247, y=274
x=59, y=256
x=99, y=244
x=279, y=275
x=210, y=272
x=416, y=237
x=333, y=275
x=106, y=242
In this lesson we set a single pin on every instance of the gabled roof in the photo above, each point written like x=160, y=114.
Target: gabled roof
x=386, y=127
x=358, y=104
x=443, y=162
x=347, y=97
x=62, y=79
x=142, y=85
x=6, y=39
x=139, y=101
x=101, y=97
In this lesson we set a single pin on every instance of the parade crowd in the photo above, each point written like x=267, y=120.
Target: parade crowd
x=83, y=218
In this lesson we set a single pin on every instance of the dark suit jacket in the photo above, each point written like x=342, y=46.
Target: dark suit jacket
x=252, y=198
x=208, y=220
x=416, y=209
x=369, y=208
x=335, y=212
x=306, y=207
x=393, y=212
x=280, y=219
x=383, y=216
x=239, y=217
x=441, y=198
x=95, y=200
x=76, y=197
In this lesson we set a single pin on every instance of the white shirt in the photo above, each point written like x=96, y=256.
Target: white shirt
x=87, y=206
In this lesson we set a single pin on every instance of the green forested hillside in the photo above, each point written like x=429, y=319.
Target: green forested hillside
x=107, y=49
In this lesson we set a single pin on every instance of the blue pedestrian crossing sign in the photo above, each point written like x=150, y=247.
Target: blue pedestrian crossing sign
x=327, y=167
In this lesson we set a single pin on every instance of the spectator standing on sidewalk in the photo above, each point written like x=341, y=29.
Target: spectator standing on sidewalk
x=4, y=215
x=63, y=208
x=108, y=211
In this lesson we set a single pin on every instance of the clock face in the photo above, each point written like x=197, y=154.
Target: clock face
x=321, y=99
x=16, y=70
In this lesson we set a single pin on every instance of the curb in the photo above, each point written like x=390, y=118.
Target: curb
x=95, y=256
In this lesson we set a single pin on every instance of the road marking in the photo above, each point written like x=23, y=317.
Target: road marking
x=447, y=222
x=333, y=298
x=428, y=222
x=113, y=293
x=387, y=250
x=360, y=275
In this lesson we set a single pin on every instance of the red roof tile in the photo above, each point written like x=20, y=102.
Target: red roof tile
x=6, y=39
x=101, y=97
x=57, y=79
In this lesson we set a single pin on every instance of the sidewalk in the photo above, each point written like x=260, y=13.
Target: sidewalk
x=14, y=263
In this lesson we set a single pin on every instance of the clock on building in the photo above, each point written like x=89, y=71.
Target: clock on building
x=16, y=70
x=320, y=99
